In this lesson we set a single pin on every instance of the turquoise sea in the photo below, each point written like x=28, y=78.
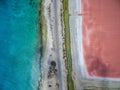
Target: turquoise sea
x=19, y=61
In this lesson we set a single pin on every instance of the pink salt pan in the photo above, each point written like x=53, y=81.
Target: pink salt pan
x=101, y=37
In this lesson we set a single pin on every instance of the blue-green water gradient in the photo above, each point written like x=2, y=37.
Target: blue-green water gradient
x=19, y=67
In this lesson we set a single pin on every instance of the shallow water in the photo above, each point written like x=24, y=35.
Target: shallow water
x=19, y=69
x=101, y=37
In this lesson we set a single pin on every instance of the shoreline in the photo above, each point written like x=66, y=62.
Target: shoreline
x=78, y=65
x=49, y=43
x=43, y=38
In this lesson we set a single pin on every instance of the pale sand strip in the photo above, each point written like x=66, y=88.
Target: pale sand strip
x=54, y=49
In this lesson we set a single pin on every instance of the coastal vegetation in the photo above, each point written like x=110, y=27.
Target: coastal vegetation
x=42, y=26
x=42, y=36
x=67, y=45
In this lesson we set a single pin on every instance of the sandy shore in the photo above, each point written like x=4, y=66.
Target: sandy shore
x=81, y=79
x=54, y=49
